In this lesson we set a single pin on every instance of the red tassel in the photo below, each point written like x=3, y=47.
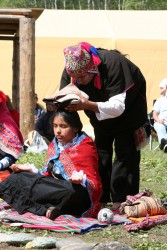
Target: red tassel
x=89, y=48
x=97, y=82
x=96, y=60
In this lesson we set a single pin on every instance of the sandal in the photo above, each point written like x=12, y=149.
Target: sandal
x=52, y=213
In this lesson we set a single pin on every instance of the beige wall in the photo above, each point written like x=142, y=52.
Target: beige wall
x=149, y=55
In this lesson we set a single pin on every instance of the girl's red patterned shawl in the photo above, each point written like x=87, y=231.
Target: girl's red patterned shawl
x=82, y=156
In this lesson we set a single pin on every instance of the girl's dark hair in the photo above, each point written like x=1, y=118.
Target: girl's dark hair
x=72, y=118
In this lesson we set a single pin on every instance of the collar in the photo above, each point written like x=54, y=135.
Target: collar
x=69, y=144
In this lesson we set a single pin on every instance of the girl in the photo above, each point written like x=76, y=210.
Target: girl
x=69, y=182
x=11, y=140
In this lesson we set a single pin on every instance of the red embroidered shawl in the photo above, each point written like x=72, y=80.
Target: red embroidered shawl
x=82, y=156
x=11, y=138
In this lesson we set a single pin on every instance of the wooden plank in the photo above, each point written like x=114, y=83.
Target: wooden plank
x=33, y=13
x=10, y=18
x=27, y=74
x=7, y=38
x=23, y=12
x=16, y=74
x=8, y=28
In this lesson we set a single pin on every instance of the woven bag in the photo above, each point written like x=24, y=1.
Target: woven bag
x=143, y=206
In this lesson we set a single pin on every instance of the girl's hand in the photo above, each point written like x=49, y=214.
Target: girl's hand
x=16, y=168
x=76, y=178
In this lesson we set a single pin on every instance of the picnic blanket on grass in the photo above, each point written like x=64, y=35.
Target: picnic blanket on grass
x=64, y=223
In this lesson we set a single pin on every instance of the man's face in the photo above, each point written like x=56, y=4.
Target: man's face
x=162, y=90
x=85, y=79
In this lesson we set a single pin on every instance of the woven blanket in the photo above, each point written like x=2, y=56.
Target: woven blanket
x=145, y=223
x=64, y=223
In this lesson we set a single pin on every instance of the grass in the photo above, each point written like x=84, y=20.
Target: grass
x=153, y=174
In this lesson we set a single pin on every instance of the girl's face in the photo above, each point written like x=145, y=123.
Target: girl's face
x=63, y=131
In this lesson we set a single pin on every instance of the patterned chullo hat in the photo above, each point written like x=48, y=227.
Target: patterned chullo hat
x=79, y=60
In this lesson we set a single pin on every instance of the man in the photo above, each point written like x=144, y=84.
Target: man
x=43, y=125
x=39, y=110
x=116, y=107
x=160, y=116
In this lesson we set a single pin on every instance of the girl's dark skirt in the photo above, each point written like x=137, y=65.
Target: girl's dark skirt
x=35, y=193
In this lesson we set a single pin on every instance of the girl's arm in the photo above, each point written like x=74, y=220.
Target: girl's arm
x=16, y=168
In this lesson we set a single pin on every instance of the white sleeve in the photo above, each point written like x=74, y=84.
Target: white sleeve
x=33, y=167
x=156, y=106
x=114, y=107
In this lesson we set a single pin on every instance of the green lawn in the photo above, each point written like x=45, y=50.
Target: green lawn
x=153, y=177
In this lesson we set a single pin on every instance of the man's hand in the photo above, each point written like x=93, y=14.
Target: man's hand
x=84, y=104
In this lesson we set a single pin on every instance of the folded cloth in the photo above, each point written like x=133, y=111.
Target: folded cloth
x=63, y=223
x=146, y=223
x=68, y=95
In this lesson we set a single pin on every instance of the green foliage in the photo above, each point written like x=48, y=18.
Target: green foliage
x=87, y=4
x=37, y=159
x=13, y=3
x=151, y=246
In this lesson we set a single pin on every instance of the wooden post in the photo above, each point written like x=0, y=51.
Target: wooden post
x=16, y=73
x=27, y=74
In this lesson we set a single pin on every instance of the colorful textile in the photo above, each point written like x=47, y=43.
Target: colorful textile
x=83, y=58
x=92, y=51
x=64, y=223
x=147, y=223
x=131, y=198
x=81, y=156
x=4, y=174
x=143, y=204
x=78, y=60
x=11, y=140
x=16, y=116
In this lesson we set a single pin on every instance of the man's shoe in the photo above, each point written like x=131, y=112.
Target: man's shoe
x=162, y=144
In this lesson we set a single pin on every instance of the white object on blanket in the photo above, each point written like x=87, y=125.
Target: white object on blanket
x=2, y=214
x=105, y=215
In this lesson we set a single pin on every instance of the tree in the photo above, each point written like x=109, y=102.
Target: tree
x=87, y=4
